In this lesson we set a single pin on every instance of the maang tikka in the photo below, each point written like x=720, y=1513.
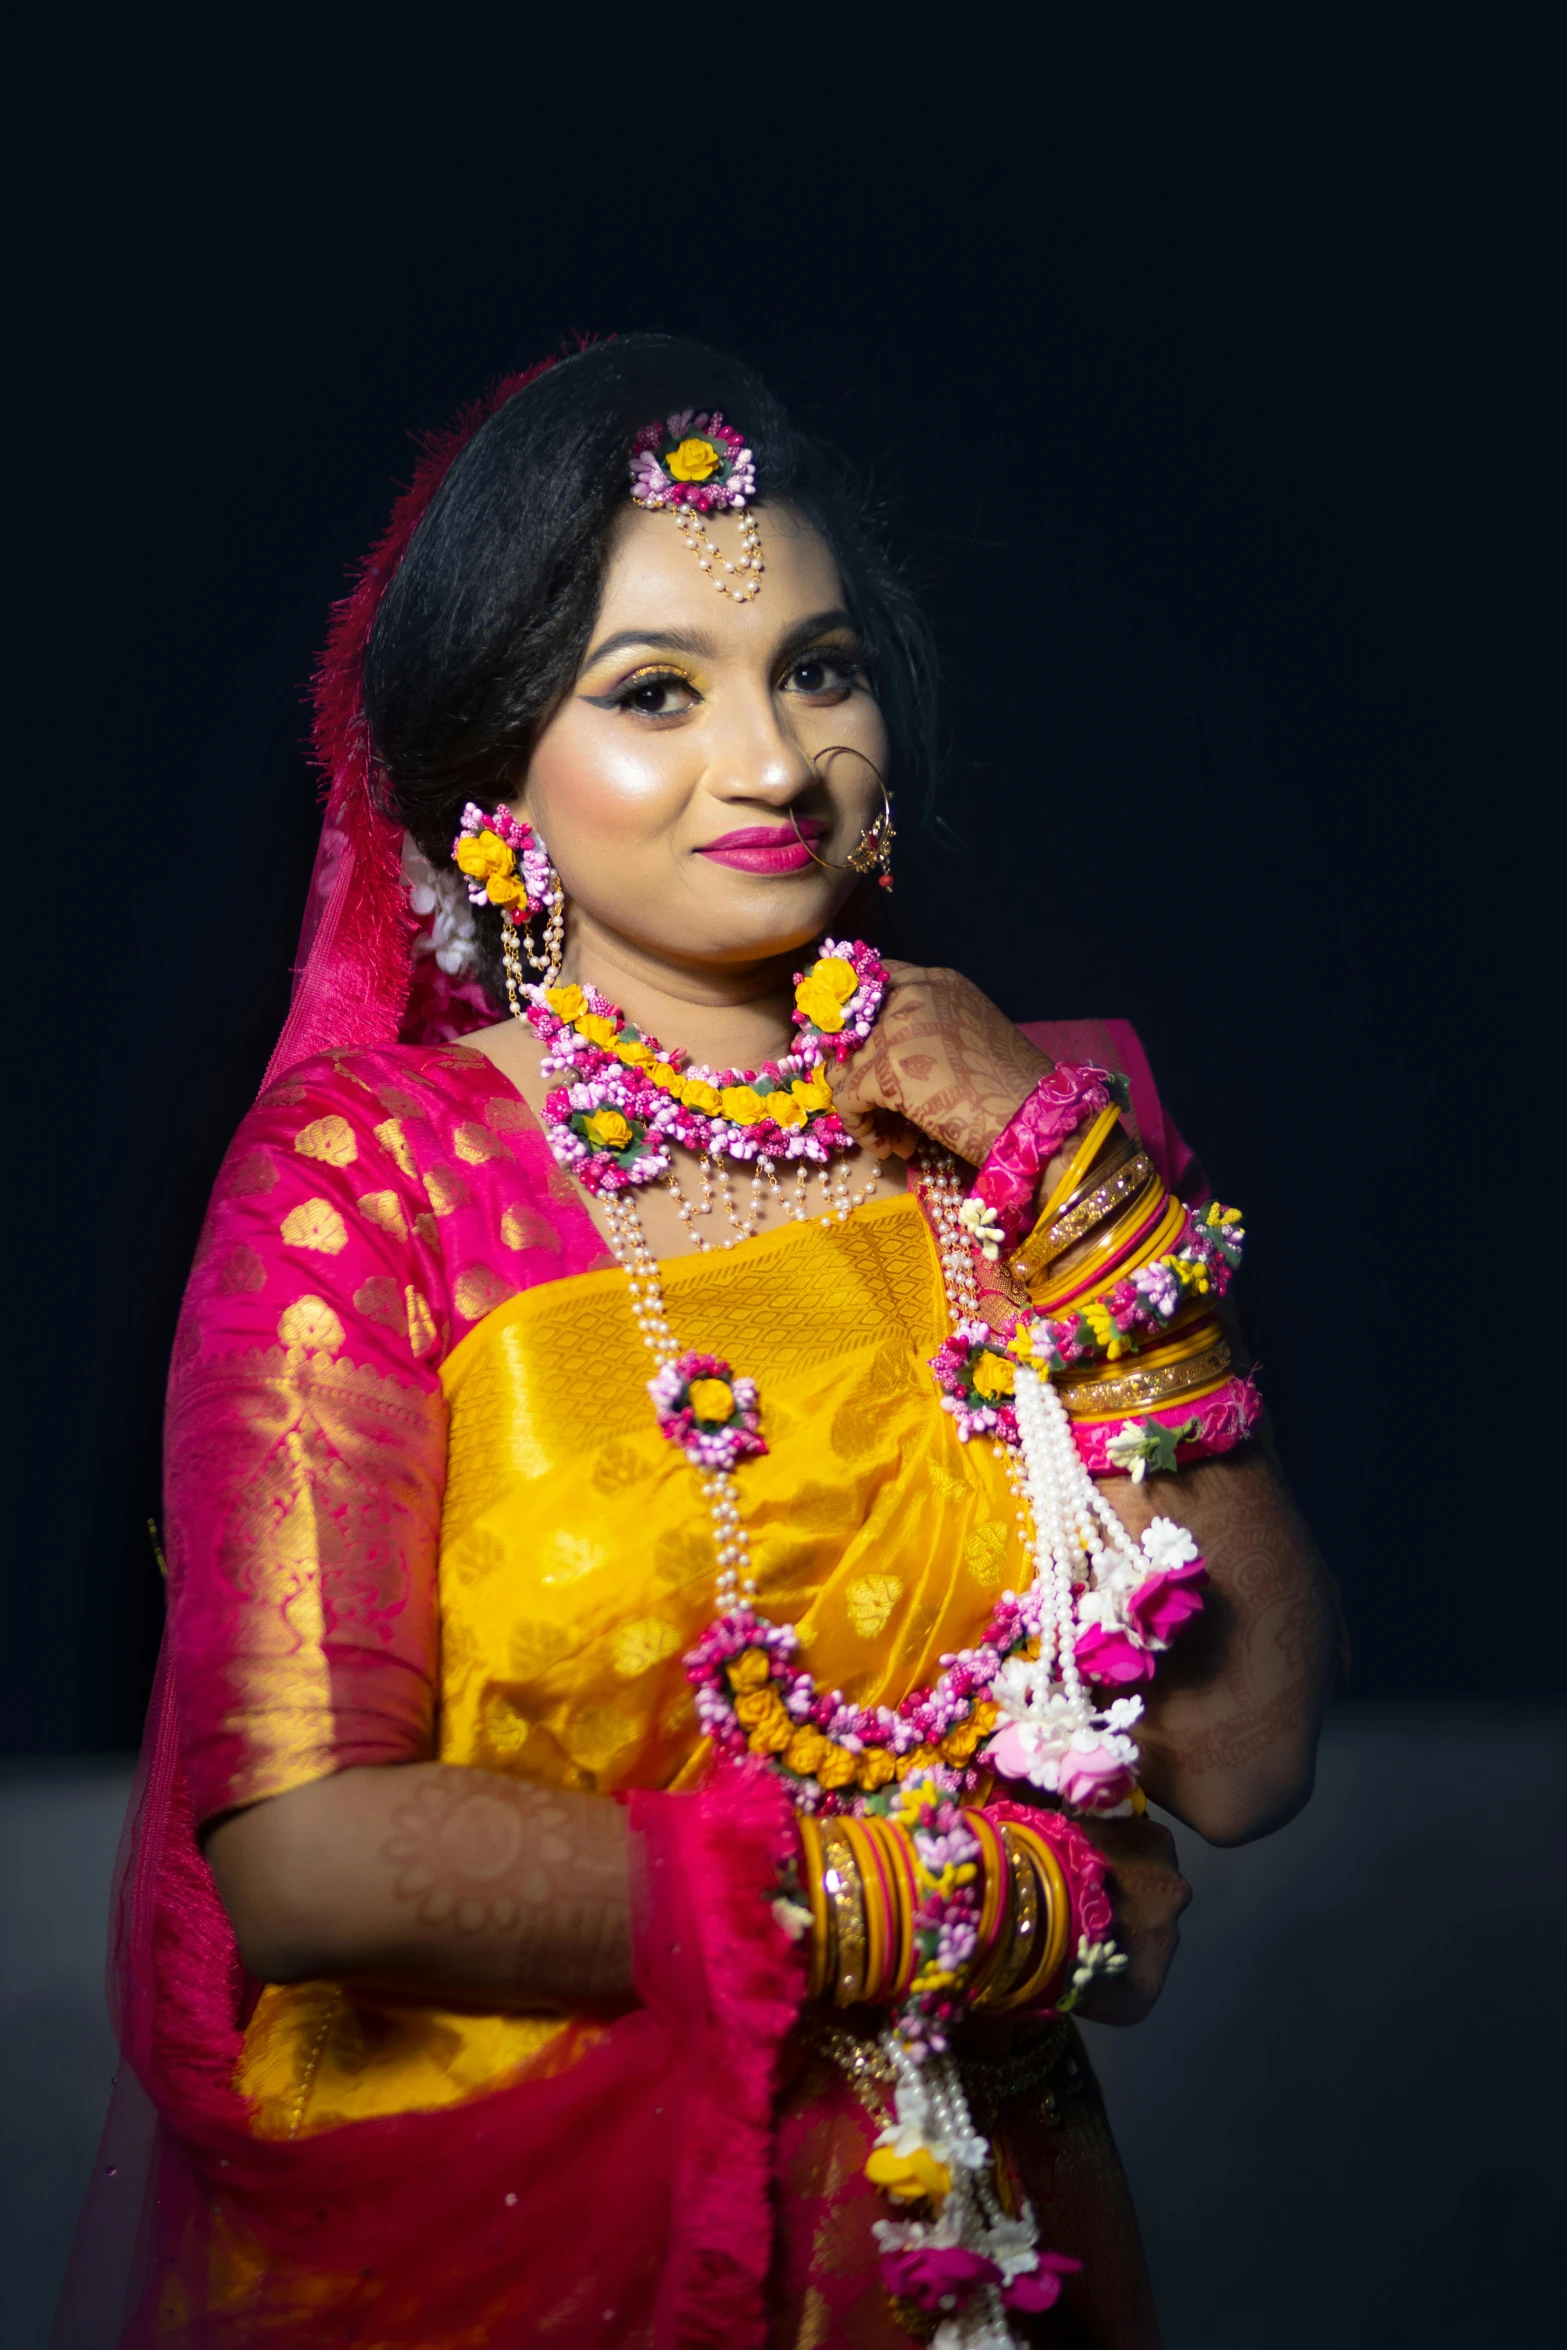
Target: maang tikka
x=507, y=865
x=694, y=464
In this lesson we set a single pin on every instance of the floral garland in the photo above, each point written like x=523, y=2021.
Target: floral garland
x=753, y=1699
x=627, y=1099
x=976, y=1368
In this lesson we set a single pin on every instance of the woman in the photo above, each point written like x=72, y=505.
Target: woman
x=617, y=1849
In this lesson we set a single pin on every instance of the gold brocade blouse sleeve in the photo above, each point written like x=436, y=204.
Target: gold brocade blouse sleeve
x=372, y=1208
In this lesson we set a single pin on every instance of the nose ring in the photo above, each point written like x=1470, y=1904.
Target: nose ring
x=874, y=847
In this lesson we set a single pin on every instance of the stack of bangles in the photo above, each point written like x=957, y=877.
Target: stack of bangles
x=861, y=1881
x=1115, y=1267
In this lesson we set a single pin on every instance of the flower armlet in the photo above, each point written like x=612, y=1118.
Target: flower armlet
x=1008, y=1182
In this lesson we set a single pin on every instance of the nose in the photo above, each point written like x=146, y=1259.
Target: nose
x=755, y=757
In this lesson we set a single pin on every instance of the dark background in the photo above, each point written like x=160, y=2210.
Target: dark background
x=1205, y=378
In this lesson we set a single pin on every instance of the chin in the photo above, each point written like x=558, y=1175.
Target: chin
x=760, y=918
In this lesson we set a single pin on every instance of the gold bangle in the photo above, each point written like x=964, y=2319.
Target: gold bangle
x=1023, y=1940
x=816, y=1895
x=1105, y=1265
x=842, y=1879
x=1043, y=1247
x=1055, y=1923
x=1151, y=1386
x=876, y=1903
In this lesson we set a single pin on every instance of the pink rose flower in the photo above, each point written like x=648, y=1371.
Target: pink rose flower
x=1010, y=1752
x=1104, y=1655
x=1090, y=1778
x=1158, y=1608
x=1041, y=2290
x=934, y=2279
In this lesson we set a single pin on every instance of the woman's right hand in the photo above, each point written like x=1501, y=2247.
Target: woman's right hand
x=1148, y=1893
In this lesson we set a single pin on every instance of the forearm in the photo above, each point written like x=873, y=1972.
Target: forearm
x=1230, y=1735
x=436, y=1880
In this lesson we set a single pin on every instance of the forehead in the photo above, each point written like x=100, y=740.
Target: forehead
x=653, y=580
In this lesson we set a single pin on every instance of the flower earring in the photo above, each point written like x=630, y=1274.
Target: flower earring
x=507, y=865
x=874, y=847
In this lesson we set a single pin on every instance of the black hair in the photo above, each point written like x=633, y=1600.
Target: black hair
x=487, y=619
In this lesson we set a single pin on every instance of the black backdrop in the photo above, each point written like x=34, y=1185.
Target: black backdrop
x=1205, y=388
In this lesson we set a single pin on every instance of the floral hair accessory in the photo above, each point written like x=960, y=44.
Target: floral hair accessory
x=706, y=1410
x=505, y=863
x=693, y=464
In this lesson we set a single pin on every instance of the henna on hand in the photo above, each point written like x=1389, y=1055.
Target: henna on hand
x=431, y=1878
x=1149, y=1894
x=942, y=1060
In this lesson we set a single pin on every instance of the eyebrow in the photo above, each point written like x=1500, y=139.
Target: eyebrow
x=699, y=644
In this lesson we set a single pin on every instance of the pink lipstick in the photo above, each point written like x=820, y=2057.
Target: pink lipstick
x=766, y=848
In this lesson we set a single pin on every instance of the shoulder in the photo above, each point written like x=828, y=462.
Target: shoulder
x=1115, y=1044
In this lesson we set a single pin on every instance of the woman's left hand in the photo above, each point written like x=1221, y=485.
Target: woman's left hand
x=1148, y=1893
x=942, y=1061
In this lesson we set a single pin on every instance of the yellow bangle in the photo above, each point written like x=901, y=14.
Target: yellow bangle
x=898, y=1856
x=1022, y=1939
x=1082, y=1159
x=1048, y=1242
x=816, y=1895
x=1102, y=1270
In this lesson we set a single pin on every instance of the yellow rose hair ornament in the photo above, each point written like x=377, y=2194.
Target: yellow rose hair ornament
x=691, y=465
x=505, y=864
x=874, y=847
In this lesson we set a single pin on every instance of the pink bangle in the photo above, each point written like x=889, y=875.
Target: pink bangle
x=1008, y=1182
x=1082, y=1864
x=1219, y=1422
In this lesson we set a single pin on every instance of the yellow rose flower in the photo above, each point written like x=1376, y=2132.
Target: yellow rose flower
x=805, y=1751
x=596, y=1029
x=820, y=1006
x=712, y=1399
x=694, y=460
x=608, y=1130
x=994, y=1376
x=749, y=1670
x=697, y=1094
x=635, y=1056
x=666, y=1077
x=920, y=1760
x=813, y=1092
x=909, y=2178
x=773, y=1736
x=837, y=1767
x=484, y=855
x=567, y=1003
x=743, y=1105
x=505, y=890
x=760, y=1706
x=837, y=976
x=875, y=1768
x=959, y=1744
x=785, y=1111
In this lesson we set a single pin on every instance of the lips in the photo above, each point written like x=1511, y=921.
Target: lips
x=766, y=848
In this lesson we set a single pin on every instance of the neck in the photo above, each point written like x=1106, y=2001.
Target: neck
x=723, y=1016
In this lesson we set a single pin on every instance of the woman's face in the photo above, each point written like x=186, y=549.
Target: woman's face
x=668, y=784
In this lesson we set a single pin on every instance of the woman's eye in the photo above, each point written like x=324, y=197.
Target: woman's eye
x=664, y=695
x=820, y=674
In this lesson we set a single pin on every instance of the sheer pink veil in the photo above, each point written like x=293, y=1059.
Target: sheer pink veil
x=643, y=2171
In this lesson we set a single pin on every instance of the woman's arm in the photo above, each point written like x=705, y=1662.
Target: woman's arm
x=1230, y=1735
x=434, y=1880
